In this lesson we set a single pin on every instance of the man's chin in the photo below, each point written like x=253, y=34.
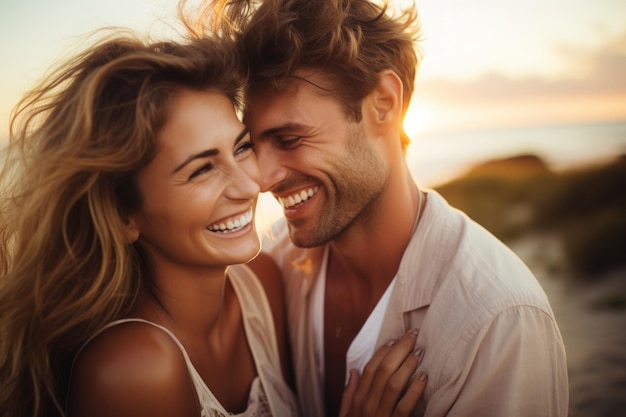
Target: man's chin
x=301, y=236
x=307, y=237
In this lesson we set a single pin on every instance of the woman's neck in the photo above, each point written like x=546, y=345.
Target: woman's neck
x=191, y=302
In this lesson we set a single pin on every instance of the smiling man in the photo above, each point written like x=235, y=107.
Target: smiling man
x=366, y=254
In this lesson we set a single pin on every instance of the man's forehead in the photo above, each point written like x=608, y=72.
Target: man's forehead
x=268, y=106
x=302, y=78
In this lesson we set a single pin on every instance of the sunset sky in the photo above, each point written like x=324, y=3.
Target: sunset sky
x=486, y=63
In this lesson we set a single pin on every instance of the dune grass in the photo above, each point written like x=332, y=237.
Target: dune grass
x=585, y=207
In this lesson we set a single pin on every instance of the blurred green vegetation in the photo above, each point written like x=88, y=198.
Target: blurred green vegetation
x=585, y=207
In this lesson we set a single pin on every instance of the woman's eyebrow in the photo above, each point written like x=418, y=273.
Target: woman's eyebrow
x=203, y=154
x=209, y=152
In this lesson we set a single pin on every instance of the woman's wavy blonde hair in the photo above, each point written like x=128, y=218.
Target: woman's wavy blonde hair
x=67, y=185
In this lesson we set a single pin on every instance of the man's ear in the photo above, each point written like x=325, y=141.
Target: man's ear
x=387, y=98
x=131, y=229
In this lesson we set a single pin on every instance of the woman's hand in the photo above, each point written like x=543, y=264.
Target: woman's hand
x=387, y=386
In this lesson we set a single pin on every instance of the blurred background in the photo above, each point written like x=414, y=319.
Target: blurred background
x=518, y=118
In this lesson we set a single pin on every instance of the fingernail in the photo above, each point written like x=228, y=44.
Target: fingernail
x=419, y=351
x=414, y=332
x=421, y=376
x=391, y=343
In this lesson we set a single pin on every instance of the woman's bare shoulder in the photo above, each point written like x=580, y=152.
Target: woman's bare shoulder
x=132, y=369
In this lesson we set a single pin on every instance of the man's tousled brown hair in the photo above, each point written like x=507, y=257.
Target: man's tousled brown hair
x=352, y=41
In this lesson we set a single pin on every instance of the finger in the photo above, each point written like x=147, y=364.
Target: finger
x=383, y=371
x=348, y=393
x=409, y=400
x=399, y=382
x=369, y=371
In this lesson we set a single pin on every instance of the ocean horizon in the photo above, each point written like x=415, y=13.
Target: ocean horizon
x=435, y=158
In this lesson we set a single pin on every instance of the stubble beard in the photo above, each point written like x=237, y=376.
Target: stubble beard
x=354, y=184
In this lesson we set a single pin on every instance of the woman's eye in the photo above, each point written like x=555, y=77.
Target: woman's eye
x=246, y=146
x=203, y=169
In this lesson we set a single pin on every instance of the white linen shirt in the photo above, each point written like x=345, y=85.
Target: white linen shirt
x=492, y=344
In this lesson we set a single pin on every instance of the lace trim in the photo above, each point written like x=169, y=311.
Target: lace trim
x=258, y=405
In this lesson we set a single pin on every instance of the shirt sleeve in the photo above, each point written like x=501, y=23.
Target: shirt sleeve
x=514, y=365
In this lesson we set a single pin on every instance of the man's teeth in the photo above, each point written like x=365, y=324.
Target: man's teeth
x=298, y=197
x=232, y=225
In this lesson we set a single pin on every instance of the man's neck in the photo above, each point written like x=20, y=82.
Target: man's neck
x=372, y=248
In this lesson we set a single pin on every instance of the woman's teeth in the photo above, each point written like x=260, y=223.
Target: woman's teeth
x=297, y=198
x=232, y=225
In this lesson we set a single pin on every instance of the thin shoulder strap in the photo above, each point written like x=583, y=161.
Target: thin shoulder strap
x=129, y=320
x=194, y=374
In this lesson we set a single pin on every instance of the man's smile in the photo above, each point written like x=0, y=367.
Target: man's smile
x=297, y=198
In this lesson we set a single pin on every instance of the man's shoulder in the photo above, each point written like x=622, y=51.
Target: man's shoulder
x=475, y=260
x=488, y=277
x=457, y=259
x=466, y=266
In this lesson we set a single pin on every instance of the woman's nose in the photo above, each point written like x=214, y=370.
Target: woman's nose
x=246, y=179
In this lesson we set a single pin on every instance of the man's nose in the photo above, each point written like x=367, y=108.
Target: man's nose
x=271, y=167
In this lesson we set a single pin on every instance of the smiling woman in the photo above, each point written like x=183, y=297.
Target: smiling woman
x=130, y=205
x=215, y=185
